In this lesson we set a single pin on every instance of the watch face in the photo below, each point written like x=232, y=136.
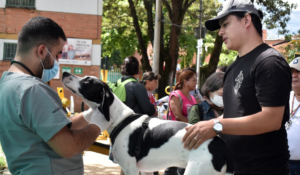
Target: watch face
x=218, y=126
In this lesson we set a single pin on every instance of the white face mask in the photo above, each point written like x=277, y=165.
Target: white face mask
x=217, y=100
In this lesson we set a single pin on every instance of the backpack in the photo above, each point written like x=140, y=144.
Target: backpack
x=197, y=110
x=118, y=88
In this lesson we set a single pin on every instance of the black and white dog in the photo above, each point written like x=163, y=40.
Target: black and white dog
x=161, y=144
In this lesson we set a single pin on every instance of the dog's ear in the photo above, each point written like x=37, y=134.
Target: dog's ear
x=107, y=99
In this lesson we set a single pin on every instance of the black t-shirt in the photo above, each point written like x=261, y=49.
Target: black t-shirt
x=261, y=78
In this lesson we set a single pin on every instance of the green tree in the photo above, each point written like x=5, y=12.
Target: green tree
x=179, y=18
x=290, y=50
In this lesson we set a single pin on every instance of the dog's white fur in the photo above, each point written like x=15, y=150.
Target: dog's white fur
x=170, y=154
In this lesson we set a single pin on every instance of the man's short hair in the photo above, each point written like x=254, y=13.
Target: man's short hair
x=39, y=30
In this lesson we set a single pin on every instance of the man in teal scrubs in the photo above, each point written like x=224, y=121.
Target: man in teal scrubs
x=35, y=133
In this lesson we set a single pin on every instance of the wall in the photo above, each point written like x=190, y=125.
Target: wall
x=87, y=70
x=79, y=19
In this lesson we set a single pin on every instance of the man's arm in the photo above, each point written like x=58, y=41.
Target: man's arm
x=68, y=143
x=81, y=120
x=78, y=122
x=268, y=120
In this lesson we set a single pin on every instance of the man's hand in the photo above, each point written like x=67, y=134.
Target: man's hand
x=198, y=133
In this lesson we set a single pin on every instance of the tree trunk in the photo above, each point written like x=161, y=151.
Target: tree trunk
x=150, y=31
x=176, y=15
x=142, y=45
x=215, y=56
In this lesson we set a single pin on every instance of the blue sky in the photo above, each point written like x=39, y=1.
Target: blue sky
x=293, y=25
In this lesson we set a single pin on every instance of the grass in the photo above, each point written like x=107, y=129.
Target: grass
x=2, y=163
x=2, y=159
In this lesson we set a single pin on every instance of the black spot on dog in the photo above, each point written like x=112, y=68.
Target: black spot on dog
x=220, y=155
x=97, y=91
x=154, y=138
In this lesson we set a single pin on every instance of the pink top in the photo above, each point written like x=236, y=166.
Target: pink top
x=186, y=103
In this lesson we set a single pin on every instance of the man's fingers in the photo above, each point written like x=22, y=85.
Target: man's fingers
x=192, y=144
x=189, y=130
x=200, y=141
x=190, y=138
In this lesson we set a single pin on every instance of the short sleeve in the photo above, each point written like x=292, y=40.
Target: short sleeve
x=173, y=94
x=272, y=82
x=42, y=112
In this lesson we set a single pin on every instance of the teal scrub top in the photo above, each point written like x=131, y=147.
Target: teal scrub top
x=31, y=113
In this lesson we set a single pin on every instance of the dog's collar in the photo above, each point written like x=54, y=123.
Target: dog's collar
x=122, y=125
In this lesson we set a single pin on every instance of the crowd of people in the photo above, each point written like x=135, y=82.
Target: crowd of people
x=249, y=104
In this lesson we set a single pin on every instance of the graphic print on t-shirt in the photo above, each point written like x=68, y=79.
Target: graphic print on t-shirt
x=239, y=80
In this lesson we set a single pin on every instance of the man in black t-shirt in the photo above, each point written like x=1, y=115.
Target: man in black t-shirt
x=256, y=96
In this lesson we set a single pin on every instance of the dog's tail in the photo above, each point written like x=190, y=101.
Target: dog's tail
x=221, y=155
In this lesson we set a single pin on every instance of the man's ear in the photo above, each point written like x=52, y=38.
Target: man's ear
x=248, y=20
x=41, y=51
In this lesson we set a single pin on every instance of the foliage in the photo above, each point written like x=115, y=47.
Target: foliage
x=227, y=58
x=114, y=60
x=187, y=45
x=2, y=159
x=276, y=13
x=208, y=45
x=117, y=30
x=289, y=51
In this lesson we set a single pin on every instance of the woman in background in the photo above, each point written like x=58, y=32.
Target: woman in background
x=179, y=109
x=212, y=105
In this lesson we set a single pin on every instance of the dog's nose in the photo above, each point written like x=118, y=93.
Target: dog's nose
x=65, y=74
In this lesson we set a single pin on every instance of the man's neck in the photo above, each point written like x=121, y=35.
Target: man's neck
x=15, y=67
x=249, y=45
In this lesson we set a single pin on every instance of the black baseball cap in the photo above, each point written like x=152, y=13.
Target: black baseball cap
x=230, y=6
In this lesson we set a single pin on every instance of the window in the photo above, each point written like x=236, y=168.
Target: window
x=9, y=51
x=21, y=3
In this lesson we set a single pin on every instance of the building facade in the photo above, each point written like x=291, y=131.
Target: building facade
x=80, y=20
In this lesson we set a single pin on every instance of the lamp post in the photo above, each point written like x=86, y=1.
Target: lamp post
x=199, y=46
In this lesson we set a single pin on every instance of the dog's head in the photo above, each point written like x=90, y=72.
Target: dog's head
x=92, y=90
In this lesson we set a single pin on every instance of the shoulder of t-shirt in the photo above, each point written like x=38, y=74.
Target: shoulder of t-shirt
x=174, y=94
x=269, y=53
x=26, y=82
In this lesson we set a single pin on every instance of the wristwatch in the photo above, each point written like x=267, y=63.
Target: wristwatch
x=218, y=127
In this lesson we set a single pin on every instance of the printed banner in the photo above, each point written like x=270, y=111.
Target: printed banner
x=77, y=52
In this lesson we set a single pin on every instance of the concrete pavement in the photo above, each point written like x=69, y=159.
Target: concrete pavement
x=95, y=164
